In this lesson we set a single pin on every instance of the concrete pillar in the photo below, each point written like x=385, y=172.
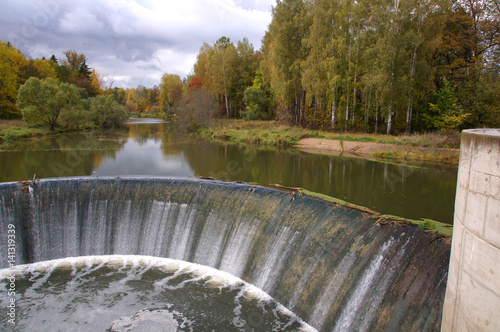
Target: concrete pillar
x=472, y=301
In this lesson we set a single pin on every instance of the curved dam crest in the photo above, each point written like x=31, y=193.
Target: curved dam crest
x=334, y=266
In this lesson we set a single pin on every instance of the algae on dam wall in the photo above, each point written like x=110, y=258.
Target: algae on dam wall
x=334, y=266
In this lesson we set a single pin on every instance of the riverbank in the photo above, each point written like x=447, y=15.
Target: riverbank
x=12, y=131
x=378, y=150
x=15, y=133
x=440, y=148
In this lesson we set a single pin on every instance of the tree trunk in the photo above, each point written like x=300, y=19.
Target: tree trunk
x=389, y=121
x=52, y=124
x=367, y=108
x=225, y=84
x=409, y=112
x=334, y=113
x=412, y=76
x=348, y=89
x=355, y=79
x=227, y=106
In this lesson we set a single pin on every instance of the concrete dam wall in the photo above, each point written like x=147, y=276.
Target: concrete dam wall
x=473, y=293
x=338, y=268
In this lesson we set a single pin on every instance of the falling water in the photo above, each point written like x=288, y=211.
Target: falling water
x=334, y=266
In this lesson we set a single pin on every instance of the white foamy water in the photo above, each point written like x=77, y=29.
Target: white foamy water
x=138, y=293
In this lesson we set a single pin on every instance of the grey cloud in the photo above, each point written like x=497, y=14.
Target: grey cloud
x=130, y=32
x=150, y=67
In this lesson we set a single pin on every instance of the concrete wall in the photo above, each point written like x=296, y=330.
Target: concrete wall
x=472, y=301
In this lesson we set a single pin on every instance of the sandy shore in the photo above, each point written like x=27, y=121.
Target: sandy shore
x=360, y=149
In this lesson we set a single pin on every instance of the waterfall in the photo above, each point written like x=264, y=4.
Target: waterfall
x=333, y=265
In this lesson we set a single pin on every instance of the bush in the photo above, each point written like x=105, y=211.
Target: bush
x=257, y=104
x=105, y=112
x=74, y=119
x=197, y=111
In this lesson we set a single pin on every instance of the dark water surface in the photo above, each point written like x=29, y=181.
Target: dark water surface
x=150, y=147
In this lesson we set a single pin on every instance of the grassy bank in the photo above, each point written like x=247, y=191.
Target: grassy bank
x=430, y=155
x=262, y=133
x=12, y=131
x=272, y=133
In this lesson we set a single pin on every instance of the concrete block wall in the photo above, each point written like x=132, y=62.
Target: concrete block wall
x=472, y=301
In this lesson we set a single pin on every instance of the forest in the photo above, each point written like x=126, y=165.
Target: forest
x=385, y=66
x=380, y=66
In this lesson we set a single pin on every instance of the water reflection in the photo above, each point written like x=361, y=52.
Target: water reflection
x=153, y=148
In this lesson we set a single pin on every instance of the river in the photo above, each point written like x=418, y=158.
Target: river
x=152, y=148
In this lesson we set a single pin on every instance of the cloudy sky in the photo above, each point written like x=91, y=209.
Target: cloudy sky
x=131, y=41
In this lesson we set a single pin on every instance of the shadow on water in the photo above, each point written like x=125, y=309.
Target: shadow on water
x=152, y=148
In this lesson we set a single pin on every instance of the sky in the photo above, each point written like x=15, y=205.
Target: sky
x=131, y=42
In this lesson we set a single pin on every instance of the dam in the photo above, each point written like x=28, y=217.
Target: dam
x=336, y=267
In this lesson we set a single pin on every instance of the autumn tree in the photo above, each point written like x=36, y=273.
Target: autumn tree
x=96, y=84
x=74, y=69
x=74, y=61
x=170, y=90
x=41, y=68
x=195, y=83
x=132, y=100
x=202, y=61
x=197, y=111
x=13, y=66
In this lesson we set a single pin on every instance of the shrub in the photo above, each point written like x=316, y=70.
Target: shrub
x=105, y=112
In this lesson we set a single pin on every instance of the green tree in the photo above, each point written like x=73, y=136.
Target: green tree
x=105, y=112
x=247, y=64
x=445, y=113
x=41, y=101
x=256, y=102
x=221, y=71
x=284, y=47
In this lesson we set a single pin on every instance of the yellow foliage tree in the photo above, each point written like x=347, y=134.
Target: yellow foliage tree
x=96, y=83
x=170, y=90
x=13, y=66
x=42, y=69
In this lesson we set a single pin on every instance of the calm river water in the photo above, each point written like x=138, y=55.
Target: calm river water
x=151, y=148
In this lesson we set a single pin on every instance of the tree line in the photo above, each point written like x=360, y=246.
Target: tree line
x=383, y=65
x=66, y=93
x=366, y=65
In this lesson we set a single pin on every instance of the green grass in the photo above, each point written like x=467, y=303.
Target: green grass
x=451, y=158
x=240, y=131
x=260, y=133
x=14, y=130
x=428, y=224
